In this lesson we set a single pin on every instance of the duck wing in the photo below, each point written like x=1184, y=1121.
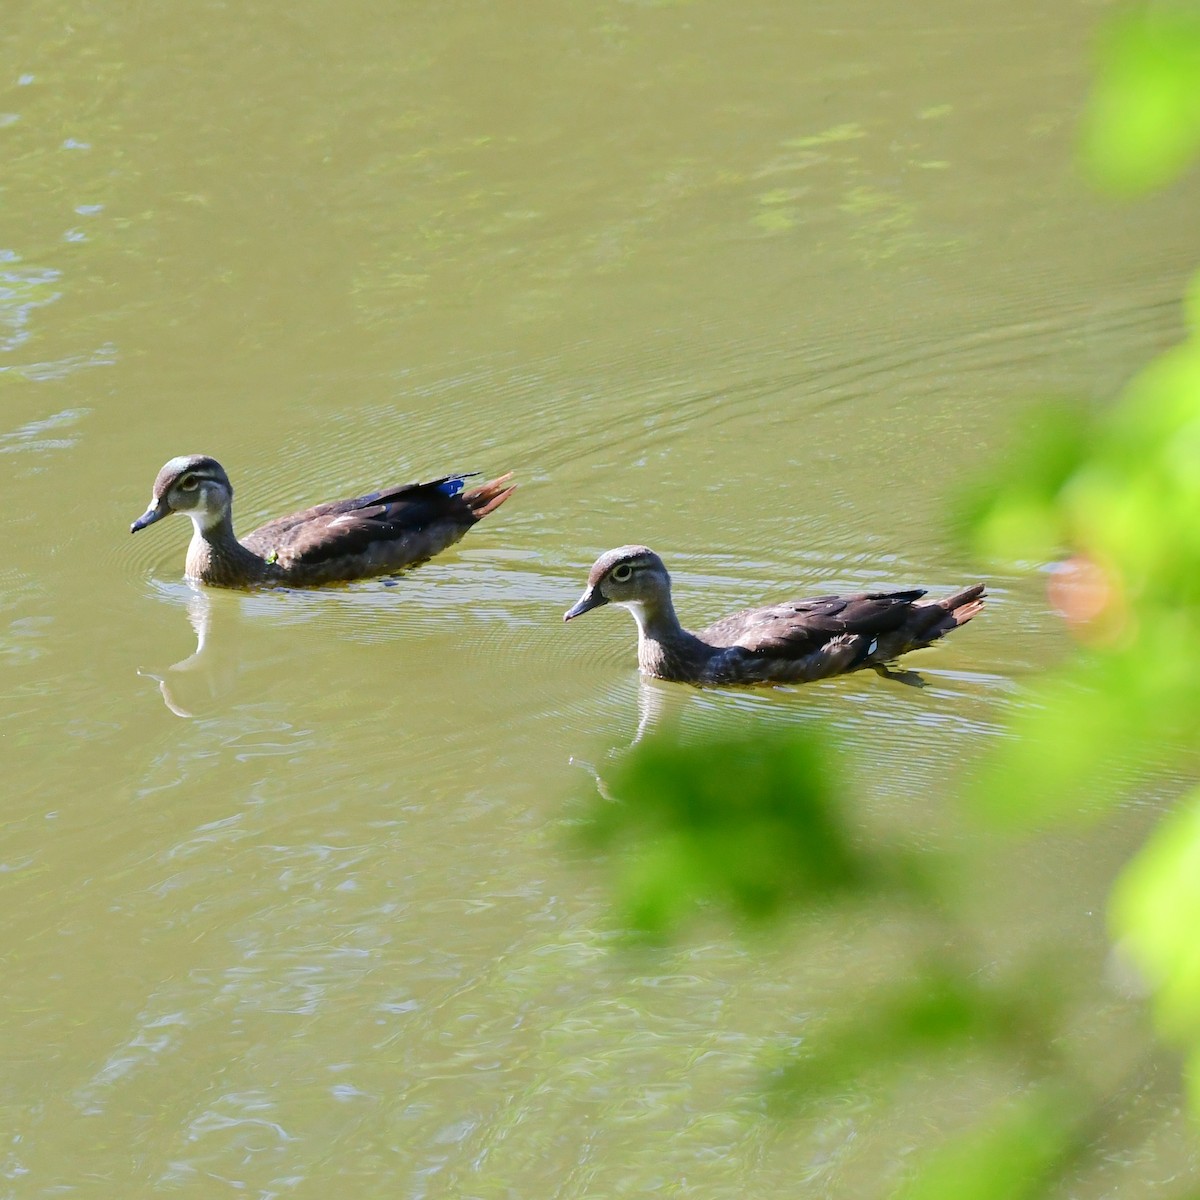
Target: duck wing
x=797, y=627
x=803, y=640
x=383, y=530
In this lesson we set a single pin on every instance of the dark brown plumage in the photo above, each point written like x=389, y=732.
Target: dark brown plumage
x=341, y=540
x=794, y=642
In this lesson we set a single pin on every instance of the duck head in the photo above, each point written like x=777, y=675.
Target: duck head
x=193, y=484
x=632, y=576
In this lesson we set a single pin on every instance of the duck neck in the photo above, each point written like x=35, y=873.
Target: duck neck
x=665, y=648
x=216, y=556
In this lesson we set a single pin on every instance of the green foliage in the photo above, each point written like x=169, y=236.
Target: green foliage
x=752, y=824
x=1156, y=914
x=1119, y=494
x=943, y=1006
x=1144, y=123
x=1126, y=513
x=1028, y=523
x=1015, y=1155
x=748, y=820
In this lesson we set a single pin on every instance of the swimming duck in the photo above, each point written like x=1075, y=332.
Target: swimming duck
x=344, y=539
x=794, y=642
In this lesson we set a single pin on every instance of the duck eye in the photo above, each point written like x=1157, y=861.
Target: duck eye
x=622, y=573
x=189, y=483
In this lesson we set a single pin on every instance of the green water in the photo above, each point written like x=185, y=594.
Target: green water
x=757, y=284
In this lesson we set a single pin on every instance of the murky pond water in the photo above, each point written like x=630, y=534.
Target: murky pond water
x=290, y=914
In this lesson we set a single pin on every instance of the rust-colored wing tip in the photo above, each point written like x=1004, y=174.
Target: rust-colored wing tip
x=968, y=603
x=489, y=496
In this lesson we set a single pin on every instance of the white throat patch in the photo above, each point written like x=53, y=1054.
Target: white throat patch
x=203, y=520
x=639, y=613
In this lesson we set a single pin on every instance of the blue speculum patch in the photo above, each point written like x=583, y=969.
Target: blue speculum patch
x=451, y=487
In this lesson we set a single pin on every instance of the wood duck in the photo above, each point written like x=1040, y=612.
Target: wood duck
x=342, y=540
x=793, y=642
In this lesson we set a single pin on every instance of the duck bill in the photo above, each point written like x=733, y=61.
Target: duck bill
x=589, y=600
x=155, y=512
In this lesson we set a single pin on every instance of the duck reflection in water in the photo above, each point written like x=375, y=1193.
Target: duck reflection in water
x=195, y=685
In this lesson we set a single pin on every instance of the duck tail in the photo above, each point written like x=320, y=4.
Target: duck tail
x=489, y=496
x=941, y=616
x=964, y=605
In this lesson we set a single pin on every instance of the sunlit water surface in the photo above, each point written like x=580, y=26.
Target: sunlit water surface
x=291, y=906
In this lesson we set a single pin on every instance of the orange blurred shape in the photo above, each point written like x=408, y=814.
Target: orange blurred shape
x=1086, y=597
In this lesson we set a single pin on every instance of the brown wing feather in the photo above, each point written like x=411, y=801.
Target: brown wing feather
x=419, y=518
x=796, y=627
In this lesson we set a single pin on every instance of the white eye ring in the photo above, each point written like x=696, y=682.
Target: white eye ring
x=622, y=573
x=189, y=483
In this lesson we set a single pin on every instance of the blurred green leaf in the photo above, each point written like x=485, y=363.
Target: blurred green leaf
x=944, y=1007
x=1016, y=516
x=1156, y=916
x=1121, y=495
x=1088, y=733
x=1015, y=1155
x=749, y=819
x=1143, y=123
